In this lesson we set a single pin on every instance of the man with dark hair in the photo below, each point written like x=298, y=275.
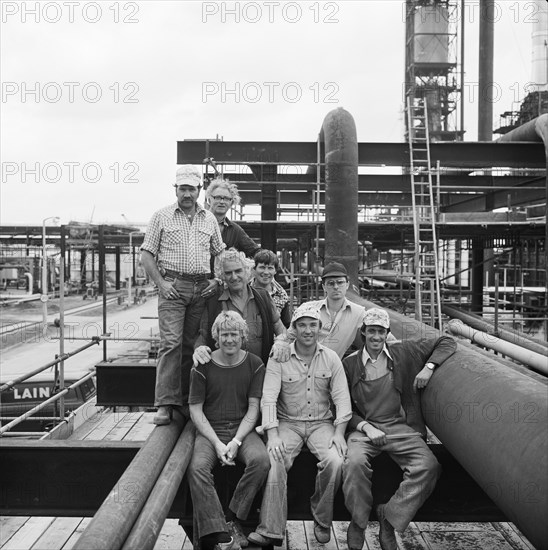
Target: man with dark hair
x=176, y=253
x=341, y=318
x=383, y=378
x=300, y=396
x=266, y=265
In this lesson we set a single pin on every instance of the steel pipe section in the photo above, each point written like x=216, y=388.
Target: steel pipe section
x=534, y=130
x=492, y=419
x=144, y=533
x=534, y=360
x=113, y=521
x=341, y=190
x=514, y=337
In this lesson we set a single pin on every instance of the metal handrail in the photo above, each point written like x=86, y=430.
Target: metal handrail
x=56, y=361
x=115, y=338
x=42, y=405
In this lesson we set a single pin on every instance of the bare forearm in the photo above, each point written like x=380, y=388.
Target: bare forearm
x=149, y=263
x=202, y=424
x=249, y=421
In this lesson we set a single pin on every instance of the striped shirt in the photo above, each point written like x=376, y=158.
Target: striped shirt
x=180, y=245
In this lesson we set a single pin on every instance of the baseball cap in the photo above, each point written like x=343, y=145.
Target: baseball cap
x=188, y=174
x=334, y=269
x=376, y=316
x=305, y=310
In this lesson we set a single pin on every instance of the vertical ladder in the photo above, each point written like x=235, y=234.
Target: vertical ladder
x=427, y=288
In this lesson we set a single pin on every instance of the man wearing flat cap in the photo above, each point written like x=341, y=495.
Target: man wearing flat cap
x=305, y=400
x=341, y=319
x=176, y=253
x=385, y=379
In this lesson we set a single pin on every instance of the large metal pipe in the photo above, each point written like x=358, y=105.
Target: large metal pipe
x=527, y=357
x=485, y=69
x=341, y=190
x=146, y=529
x=492, y=419
x=512, y=336
x=113, y=521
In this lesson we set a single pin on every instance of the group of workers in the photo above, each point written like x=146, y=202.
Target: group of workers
x=258, y=383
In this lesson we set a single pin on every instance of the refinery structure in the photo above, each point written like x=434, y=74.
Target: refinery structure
x=441, y=219
x=447, y=233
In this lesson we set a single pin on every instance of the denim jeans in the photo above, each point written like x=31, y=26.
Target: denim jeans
x=316, y=435
x=420, y=468
x=179, y=322
x=208, y=512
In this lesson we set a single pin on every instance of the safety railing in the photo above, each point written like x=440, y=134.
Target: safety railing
x=58, y=396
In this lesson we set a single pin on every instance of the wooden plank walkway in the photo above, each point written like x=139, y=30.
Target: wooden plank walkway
x=61, y=533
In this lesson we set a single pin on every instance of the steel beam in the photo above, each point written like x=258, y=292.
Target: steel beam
x=125, y=384
x=61, y=477
x=72, y=478
x=490, y=201
x=449, y=182
x=450, y=154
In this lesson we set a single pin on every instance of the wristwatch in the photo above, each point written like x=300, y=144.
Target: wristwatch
x=430, y=366
x=237, y=441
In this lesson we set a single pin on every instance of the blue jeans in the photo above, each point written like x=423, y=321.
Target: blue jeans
x=316, y=435
x=208, y=512
x=179, y=322
x=420, y=468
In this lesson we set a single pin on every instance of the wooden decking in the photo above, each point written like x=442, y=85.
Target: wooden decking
x=61, y=533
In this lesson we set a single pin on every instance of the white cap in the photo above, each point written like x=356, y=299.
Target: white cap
x=188, y=174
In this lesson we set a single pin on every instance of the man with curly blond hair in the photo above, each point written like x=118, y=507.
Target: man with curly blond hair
x=224, y=406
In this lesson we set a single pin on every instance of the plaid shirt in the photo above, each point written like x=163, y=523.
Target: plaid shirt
x=278, y=294
x=180, y=245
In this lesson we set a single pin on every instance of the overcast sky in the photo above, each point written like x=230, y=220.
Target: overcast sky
x=96, y=94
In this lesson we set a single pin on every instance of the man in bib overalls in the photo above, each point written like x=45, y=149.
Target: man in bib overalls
x=384, y=379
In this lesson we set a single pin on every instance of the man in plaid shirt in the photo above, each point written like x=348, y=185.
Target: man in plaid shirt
x=176, y=253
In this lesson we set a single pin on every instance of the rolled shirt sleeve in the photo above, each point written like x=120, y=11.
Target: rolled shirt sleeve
x=296, y=392
x=271, y=390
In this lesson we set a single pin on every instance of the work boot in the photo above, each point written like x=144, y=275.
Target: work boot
x=387, y=538
x=230, y=545
x=163, y=416
x=235, y=531
x=260, y=540
x=355, y=536
x=322, y=534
